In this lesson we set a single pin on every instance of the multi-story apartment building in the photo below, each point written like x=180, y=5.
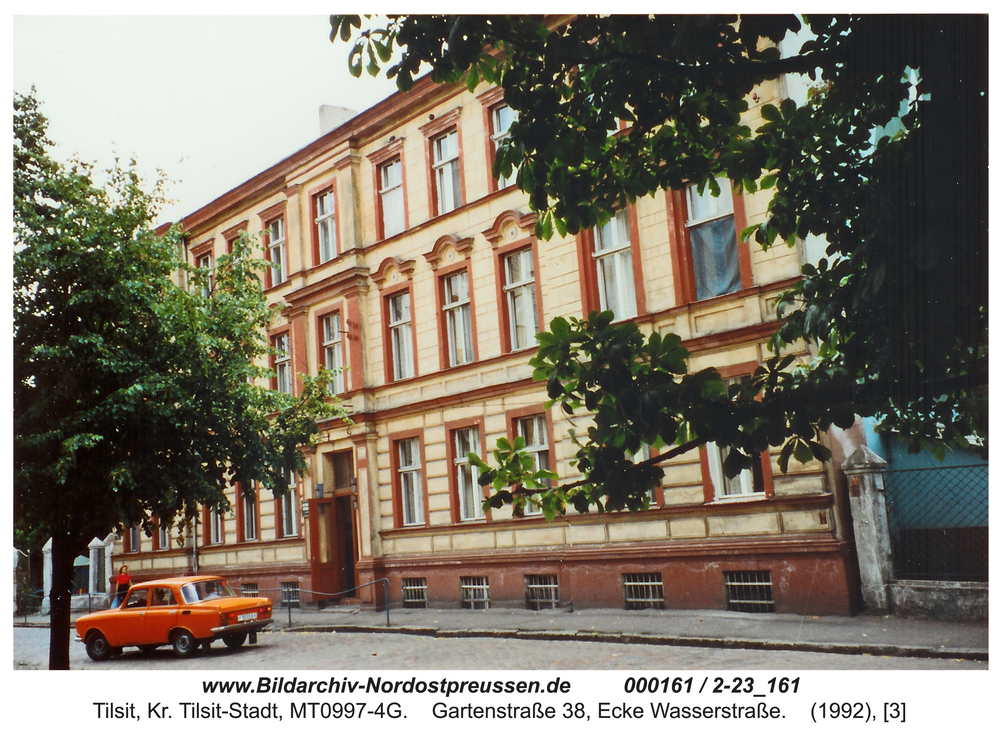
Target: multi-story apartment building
x=401, y=260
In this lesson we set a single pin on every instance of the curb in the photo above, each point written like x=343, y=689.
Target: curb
x=899, y=651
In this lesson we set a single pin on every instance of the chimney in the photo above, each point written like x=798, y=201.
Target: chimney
x=333, y=116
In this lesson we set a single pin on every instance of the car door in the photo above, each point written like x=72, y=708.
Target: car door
x=161, y=615
x=129, y=622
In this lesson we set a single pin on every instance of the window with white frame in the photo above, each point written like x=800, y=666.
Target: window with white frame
x=333, y=350
x=447, y=172
x=519, y=291
x=205, y=262
x=326, y=226
x=276, y=252
x=711, y=226
x=613, y=253
x=163, y=535
x=282, y=364
x=502, y=116
x=470, y=494
x=410, y=487
x=400, y=335
x=391, y=197
x=215, y=522
x=133, y=539
x=289, y=510
x=536, y=442
x=749, y=482
x=458, y=318
x=248, y=507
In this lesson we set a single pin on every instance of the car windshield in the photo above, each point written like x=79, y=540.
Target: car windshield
x=204, y=590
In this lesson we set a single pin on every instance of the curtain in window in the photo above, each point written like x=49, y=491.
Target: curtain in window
x=716, y=261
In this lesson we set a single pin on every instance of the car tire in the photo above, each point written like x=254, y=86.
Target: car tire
x=98, y=647
x=234, y=640
x=184, y=644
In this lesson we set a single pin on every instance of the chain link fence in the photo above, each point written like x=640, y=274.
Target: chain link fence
x=939, y=522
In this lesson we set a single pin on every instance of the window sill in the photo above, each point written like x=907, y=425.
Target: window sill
x=737, y=498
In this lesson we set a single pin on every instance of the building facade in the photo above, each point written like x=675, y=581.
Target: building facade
x=402, y=262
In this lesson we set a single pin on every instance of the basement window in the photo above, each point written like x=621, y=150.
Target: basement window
x=643, y=590
x=249, y=590
x=749, y=591
x=290, y=594
x=414, y=593
x=541, y=592
x=475, y=592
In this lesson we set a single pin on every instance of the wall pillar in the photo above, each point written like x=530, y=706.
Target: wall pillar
x=46, y=575
x=866, y=487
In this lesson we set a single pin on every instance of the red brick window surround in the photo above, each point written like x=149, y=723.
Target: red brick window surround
x=520, y=301
x=390, y=188
x=286, y=510
x=399, y=347
x=455, y=300
x=204, y=260
x=751, y=484
x=534, y=424
x=323, y=223
x=248, y=515
x=445, y=178
x=231, y=234
x=332, y=347
x=409, y=492
x=498, y=117
x=611, y=267
x=275, y=244
x=281, y=362
x=710, y=260
x=467, y=495
x=161, y=540
x=214, y=523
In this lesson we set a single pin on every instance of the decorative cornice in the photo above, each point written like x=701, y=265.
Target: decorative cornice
x=523, y=222
x=233, y=232
x=440, y=122
x=344, y=282
x=462, y=248
x=403, y=267
x=272, y=212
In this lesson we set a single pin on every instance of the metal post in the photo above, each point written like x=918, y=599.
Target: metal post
x=385, y=591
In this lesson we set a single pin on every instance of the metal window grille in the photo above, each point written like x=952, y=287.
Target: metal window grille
x=414, y=593
x=290, y=594
x=749, y=591
x=249, y=590
x=643, y=590
x=541, y=592
x=475, y=592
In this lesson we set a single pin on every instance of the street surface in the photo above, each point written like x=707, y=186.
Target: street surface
x=351, y=651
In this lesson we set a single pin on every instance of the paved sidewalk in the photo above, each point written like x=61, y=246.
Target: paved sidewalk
x=863, y=634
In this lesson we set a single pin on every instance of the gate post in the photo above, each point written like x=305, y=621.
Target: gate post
x=871, y=526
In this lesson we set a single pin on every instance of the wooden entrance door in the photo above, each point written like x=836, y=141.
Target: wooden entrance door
x=332, y=533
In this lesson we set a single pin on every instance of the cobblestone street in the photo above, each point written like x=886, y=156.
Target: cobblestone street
x=338, y=651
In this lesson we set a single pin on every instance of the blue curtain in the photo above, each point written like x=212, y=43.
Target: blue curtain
x=716, y=262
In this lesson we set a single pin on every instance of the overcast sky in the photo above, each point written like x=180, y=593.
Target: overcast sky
x=210, y=100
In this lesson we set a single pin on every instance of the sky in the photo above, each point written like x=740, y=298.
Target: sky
x=209, y=100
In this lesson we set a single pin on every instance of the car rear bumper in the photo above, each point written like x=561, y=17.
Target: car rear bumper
x=253, y=626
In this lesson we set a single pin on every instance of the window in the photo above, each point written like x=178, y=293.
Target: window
x=326, y=226
x=290, y=594
x=501, y=117
x=275, y=236
x=414, y=593
x=410, y=487
x=613, y=253
x=133, y=539
x=289, y=524
x=457, y=315
x=532, y=429
x=162, y=536
x=282, y=364
x=519, y=297
x=643, y=590
x=749, y=482
x=205, y=262
x=248, y=510
x=400, y=335
x=470, y=494
x=249, y=590
x=215, y=527
x=711, y=226
x=447, y=172
x=475, y=592
x=333, y=350
x=390, y=175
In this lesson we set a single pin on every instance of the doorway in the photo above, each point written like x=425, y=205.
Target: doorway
x=332, y=530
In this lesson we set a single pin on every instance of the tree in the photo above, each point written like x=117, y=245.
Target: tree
x=887, y=163
x=134, y=397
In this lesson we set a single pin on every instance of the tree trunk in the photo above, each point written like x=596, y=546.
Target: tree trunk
x=60, y=597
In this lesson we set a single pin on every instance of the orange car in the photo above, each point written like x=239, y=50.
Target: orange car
x=181, y=612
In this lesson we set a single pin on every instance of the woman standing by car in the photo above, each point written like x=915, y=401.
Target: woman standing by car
x=122, y=583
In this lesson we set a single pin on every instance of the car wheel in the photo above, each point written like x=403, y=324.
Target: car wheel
x=98, y=647
x=184, y=644
x=234, y=640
